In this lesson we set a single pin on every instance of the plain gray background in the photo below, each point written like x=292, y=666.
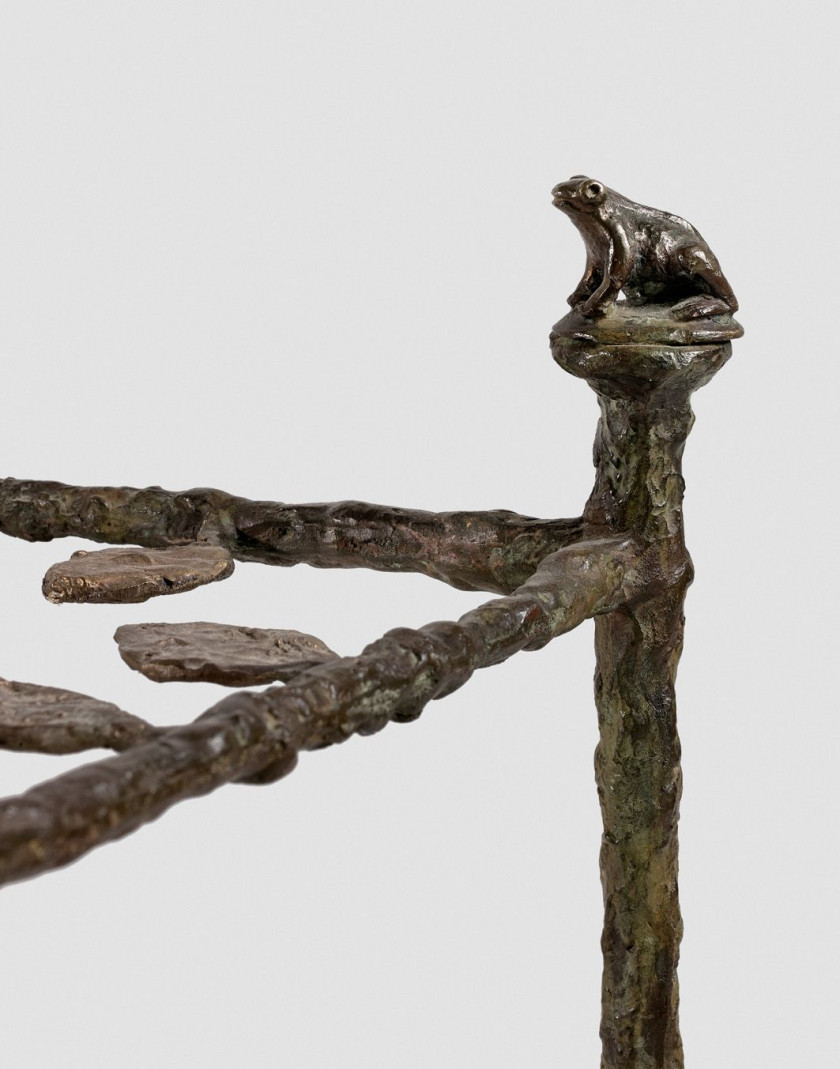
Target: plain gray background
x=307, y=252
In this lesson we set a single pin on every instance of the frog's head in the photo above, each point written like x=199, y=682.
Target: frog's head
x=579, y=194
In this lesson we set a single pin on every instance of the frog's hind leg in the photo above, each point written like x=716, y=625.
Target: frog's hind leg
x=698, y=262
x=699, y=307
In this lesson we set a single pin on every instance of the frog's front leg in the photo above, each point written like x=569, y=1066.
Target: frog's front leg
x=587, y=285
x=615, y=275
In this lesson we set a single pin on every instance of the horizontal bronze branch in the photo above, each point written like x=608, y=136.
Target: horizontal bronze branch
x=255, y=737
x=494, y=551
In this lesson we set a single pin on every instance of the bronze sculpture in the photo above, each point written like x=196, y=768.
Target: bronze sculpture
x=623, y=562
x=654, y=256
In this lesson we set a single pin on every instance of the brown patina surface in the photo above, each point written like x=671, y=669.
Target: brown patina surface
x=115, y=576
x=219, y=653
x=623, y=562
x=51, y=720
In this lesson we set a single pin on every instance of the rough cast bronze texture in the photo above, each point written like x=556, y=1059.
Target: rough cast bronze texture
x=219, y=653
x=121, y=576
x=623, y=562
x=51, y=720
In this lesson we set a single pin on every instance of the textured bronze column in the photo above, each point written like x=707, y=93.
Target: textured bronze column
x=643, y=384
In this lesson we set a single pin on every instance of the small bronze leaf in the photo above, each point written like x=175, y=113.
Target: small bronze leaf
x=132, y=574
x=218, y=653
x=50, y=720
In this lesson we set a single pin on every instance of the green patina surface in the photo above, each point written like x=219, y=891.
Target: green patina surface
x=643, y=388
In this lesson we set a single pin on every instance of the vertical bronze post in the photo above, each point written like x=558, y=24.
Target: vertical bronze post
x=643, y=378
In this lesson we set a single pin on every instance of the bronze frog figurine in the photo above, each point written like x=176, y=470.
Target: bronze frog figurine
x=653, y=256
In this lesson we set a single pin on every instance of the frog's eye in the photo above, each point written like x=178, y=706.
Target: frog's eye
x=593, y=190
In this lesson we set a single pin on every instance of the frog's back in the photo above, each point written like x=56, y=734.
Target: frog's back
x=658, y=224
